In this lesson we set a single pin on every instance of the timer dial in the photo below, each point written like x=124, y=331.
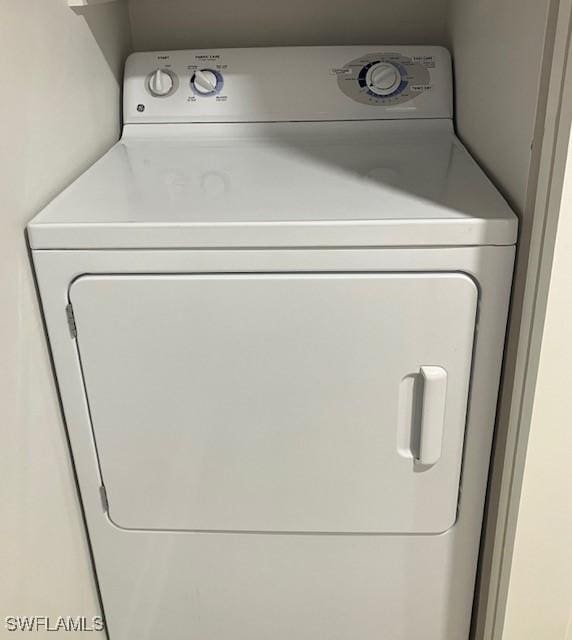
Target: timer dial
x=383, y=78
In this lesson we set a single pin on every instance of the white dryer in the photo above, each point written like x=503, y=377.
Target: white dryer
x=277, y=310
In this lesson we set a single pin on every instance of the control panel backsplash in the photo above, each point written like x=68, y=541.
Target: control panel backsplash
x=288, y=84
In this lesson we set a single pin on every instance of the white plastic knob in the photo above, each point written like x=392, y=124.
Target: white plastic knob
x=383, y=78
x=160, y=83
x=205, y=81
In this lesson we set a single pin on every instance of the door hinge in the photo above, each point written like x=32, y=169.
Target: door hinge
x=71, y=321
x=103, y=496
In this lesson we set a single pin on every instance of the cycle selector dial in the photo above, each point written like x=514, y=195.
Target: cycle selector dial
x=383, y=78
x=206, y=82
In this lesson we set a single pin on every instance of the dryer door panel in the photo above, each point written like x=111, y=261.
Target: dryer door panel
x=278, y=402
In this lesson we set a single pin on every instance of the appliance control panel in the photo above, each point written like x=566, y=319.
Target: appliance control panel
x=386, y=78
x=288, y=84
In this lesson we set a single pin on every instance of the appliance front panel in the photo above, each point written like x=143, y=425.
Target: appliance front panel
x=278, y=402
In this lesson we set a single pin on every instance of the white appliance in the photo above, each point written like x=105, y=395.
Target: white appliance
x=277, y=310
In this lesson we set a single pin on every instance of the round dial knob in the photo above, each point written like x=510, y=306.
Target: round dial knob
x=206, y=82
x=161, y=83
x=383, y=78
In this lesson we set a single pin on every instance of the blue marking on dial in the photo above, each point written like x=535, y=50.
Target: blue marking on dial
x=402, y=85
x=363, y=73
x=363, y=83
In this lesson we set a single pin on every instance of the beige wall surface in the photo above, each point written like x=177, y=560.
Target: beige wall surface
x=61, y=74
x=180, y=24
x=497, y=47
x=502, y=59
x=539, y=604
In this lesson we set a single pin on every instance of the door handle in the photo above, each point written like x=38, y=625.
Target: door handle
x=432, y=414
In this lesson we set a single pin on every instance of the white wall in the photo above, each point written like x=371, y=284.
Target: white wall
x=497, y=48
x=539, y=603
x=59, y=110
x=181, y=24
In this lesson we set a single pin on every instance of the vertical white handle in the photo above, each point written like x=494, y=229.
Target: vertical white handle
x=432, y=414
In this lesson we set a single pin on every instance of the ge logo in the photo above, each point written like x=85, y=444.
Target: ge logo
x=140, y=107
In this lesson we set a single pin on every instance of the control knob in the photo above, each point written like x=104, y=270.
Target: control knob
x=383, y=78
x=206, y=82
x=160, y=83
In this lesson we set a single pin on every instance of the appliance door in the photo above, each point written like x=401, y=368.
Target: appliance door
x=294, y=402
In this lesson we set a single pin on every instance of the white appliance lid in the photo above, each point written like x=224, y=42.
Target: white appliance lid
x=302, y=184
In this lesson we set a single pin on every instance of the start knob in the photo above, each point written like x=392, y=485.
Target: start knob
x=161, y=83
